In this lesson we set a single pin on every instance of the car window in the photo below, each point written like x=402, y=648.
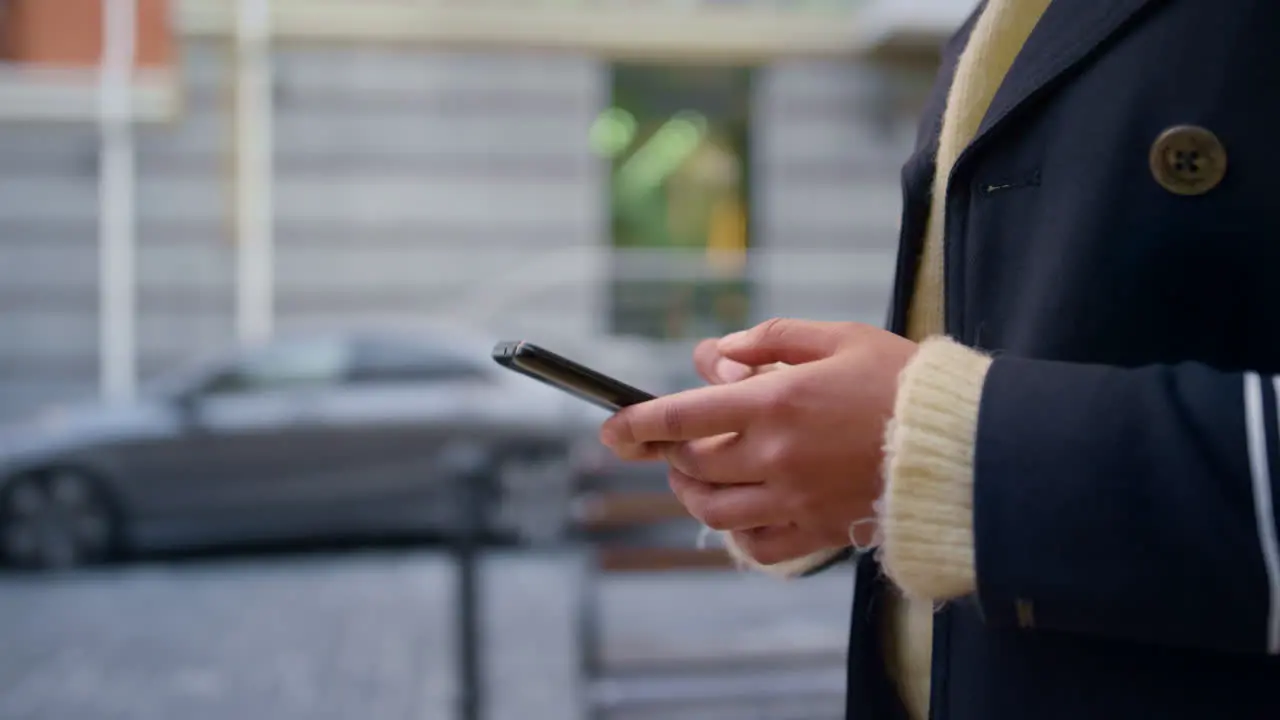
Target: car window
x=376, y=361
x=284, y=367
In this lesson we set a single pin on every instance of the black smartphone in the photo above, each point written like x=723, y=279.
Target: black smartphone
x=562, y=373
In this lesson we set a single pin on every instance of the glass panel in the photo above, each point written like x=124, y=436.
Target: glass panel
x=677, y=138
x=378, y=361
x=284, y=366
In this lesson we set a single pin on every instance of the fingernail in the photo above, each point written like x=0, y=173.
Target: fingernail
x=733, y=338
x=608, y=437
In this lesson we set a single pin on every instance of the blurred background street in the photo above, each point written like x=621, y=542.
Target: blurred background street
x=370, y=634
x=253, y=257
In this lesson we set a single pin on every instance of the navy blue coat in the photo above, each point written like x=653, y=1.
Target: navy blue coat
x=1128, y=450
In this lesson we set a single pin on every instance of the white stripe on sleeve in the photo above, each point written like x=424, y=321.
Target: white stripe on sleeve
x=1263, y=504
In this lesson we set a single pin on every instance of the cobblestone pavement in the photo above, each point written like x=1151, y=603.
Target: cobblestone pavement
x=362, y=635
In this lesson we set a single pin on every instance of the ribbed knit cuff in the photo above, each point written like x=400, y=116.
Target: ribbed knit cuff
x=926, y=519
x=788, y=569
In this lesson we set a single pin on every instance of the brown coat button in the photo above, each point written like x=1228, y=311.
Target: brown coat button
x=1188, y=160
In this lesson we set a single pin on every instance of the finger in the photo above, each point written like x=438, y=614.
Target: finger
x=777, y=544
x=737, y=507
x=640, y=452
x=689, y=415
x=731, y=371
x=719, y=460
x=715, y=368
x=705, y=357
x=787, y=341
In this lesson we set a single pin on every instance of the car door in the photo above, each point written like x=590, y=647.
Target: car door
x=400, y=407
x=252, y=437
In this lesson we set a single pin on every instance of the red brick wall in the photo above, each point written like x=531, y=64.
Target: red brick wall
x=69, y=32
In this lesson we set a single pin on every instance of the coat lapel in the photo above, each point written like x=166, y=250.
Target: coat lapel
x=917, y=176
x=1069, y=32
x=918, y=172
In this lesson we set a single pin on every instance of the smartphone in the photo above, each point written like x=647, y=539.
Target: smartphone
x=564, y=374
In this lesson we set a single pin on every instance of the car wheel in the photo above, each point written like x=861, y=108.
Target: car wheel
x=56, y=519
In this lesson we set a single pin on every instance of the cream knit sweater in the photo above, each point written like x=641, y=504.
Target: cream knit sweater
x=926, y=521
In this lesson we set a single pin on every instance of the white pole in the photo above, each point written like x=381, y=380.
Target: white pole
x=255, y=273
x=117, y=230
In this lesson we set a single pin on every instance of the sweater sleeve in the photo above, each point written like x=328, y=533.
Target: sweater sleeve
x=926, y=516
x=799, y=567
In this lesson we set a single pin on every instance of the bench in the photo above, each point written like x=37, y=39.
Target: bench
x=620, y=527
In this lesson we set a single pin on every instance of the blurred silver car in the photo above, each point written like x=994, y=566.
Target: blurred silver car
x=304, y=437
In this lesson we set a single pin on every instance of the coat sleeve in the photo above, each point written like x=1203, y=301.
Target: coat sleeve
x=1130, y=503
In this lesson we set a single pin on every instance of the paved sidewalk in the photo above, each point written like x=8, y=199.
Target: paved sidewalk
x=360, y=635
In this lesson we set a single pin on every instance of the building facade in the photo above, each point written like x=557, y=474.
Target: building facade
x=460, y=186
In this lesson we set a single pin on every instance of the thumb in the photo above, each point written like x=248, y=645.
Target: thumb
x=783, y=340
